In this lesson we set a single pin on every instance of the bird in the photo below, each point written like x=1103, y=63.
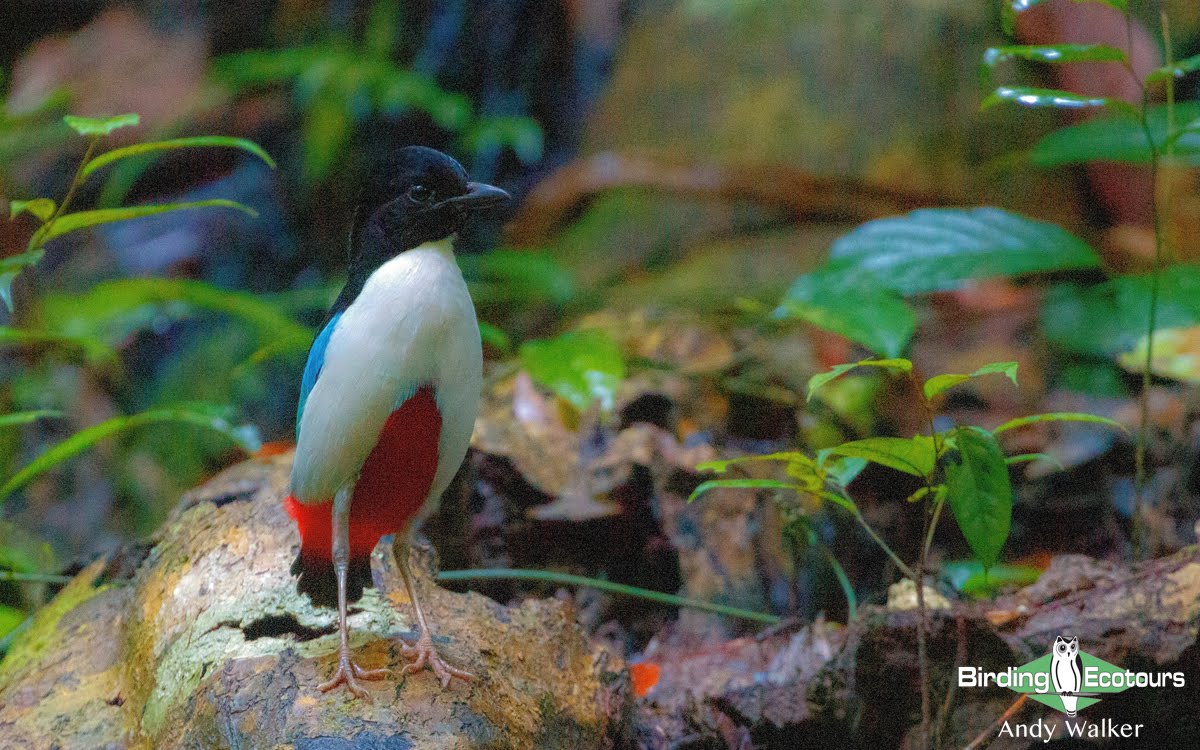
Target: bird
x=389, y=394
x=1066, y=670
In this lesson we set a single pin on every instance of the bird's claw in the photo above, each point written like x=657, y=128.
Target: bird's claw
x=422, y=654
x=348, y=673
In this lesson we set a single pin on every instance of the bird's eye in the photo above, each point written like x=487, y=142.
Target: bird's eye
x=420, y=194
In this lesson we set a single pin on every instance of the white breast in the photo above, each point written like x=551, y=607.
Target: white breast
x=412, y=324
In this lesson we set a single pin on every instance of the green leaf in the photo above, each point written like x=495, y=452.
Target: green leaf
x=1120, y=139
x=1057, y=416
x=842, y=471
x=154, y=147
x=1109, y=318
x=81, y=219
x=756, y=484
x=10, y=619
x=972, y=579
x=903, y=366
x=979, y=491
x=112, y=310
x=491, y=134
x=379, y=36
x=720, y=466
x=1029, y=457
x=243, y=436
x=851, y=306
x=324, y=134
x=260, y=67
x=912, y=455
x=503, y=277
x=27, y=417
x=1011, y=9
x=494, y=337
x=10, y=267
x=1028, y=96
x=42, y=208
x=1050, y=53
x=579, y=366
x=1178, y=69
x=93, y=351
x=939, y=248
x=939, y=383
x=93, y=126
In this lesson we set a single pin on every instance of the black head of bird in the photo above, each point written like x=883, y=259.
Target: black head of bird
x=420, y=196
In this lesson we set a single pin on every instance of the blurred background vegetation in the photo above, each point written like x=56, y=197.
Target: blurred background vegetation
x=678, y=166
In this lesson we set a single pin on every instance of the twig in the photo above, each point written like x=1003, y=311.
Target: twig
x=960, y=659
x=985, y=736
x=568, y=579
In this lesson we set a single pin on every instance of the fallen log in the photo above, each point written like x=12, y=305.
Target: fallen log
x=198, y=639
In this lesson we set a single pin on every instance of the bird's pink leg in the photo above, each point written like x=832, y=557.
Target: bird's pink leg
x=422, y=654
x=348, y=672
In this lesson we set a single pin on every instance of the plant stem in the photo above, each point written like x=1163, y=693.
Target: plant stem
x=937, y=512
x=1143, y=435
x=14, y=575
x=568, y=579
x=927, y=536
x=76, y=181
x=907, y=571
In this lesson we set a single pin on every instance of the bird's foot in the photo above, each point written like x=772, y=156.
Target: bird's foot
x=422, y=654
x=348, y=673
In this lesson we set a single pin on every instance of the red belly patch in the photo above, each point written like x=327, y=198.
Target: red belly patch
x=392, y=487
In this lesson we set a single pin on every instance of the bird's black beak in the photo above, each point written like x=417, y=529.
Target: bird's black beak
x=478, y=197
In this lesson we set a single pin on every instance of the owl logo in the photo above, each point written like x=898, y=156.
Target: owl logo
x=1066, y=670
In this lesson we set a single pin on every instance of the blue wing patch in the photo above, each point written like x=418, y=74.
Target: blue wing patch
x=312, y=368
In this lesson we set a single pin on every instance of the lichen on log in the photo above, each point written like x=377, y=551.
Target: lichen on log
x=199, y=639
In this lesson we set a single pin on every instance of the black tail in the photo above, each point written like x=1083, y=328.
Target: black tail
x=318, y=582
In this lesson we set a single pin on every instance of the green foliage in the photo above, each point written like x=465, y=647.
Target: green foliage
x=111, y=311
x=1122, y=139
x=10, y=618
x=1011, y=8
x=86, y=348
x=90, y=126
x=939, y=383
x=1110, y=317
x=158, y=147
x=979, y=491
x=1058, y=416
x=11, y=267
x=971, y=578
x=338, y=84
x=27, y=417
x=964, y=467
x=527, y=277
x=1177, y=69
x=57, y=221
x=914, y=455
x=1024, y=458
x=208, y=417
x=1028, y=96
x=73, y=222
x=1048, y=53
x=581, y=367
x=902, y=366
x=847, y=304
x=857, y=294
x=42, y=208
x=88, y=327
x=939, y=248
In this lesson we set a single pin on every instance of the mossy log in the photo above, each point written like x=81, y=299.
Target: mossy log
x=198, y=639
